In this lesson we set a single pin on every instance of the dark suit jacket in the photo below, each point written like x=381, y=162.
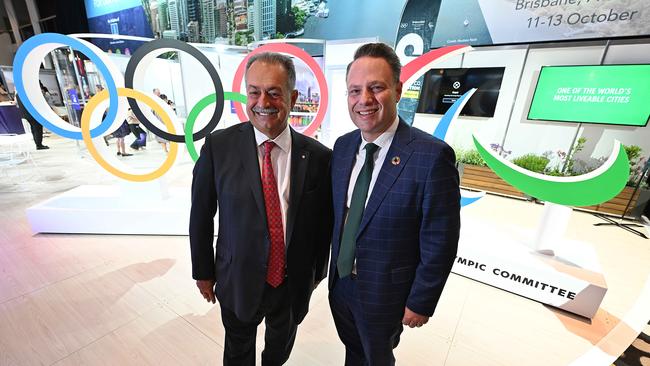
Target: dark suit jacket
x=409, y=232
x=227, y=177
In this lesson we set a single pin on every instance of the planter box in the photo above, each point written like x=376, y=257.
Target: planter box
x=484, y=179
x=617, y=204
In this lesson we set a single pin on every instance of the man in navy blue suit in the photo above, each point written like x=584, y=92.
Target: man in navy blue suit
x=272, y=188
x=396, y=215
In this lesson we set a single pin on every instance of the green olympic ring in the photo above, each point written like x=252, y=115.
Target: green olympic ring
x=197, y=109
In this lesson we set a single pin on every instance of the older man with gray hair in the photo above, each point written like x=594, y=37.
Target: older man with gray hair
x=272, y=187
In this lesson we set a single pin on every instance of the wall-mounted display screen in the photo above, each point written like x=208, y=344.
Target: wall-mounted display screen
x=606, y=94
x=484, y=22
x=442, y=87
x=119, y=17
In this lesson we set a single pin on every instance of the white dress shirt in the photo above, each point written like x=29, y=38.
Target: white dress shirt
x=281, y=161
x=383, y=141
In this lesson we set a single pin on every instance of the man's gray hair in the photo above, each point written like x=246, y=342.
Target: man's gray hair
x=276, y=59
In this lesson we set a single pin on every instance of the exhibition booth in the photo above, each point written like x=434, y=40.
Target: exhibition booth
x=545, y=104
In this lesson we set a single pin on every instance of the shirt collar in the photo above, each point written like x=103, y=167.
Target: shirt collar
x=384, y=140
x=283, y=140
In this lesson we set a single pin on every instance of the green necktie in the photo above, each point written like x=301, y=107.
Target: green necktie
x=355, y=213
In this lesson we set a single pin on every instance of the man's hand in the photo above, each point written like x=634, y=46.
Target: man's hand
x=413, y=319
x=206, y=287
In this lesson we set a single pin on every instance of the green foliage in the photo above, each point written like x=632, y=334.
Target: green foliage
x=532, y=162
x=637, y=163
x=171, y=55
x=244, y=38
x=470, y=157
x=555, y=172
x=568, y=168
x=299, y=17
x=278, y=35
x=633, y=152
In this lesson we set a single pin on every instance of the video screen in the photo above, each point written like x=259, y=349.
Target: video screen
x=442, y=87
x=602, y=94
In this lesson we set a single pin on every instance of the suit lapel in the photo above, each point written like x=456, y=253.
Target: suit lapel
x=341, y=175
x=299, y=163
x=251, y=165
x=389, y=171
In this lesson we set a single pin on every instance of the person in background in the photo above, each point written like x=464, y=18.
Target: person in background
x=140, y=135
x=47, y=95
x=4, y=95
x=272, y=188
x=396, y=215
x=122, y=131
x=37, y=128
x=164, y=143
x=168, y=101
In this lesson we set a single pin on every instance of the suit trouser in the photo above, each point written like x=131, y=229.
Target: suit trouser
x=365, y=343
x=37, y=130
x=281, y=327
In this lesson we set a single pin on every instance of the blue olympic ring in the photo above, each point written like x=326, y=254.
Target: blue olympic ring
x=44, y=38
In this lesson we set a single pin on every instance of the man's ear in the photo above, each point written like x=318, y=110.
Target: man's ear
x=399, y=90
x=294, y=97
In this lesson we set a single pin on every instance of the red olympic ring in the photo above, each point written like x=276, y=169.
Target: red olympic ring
x=304, y=57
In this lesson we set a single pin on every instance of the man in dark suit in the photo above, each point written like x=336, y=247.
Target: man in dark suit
x=273, y=191
x=396, y=215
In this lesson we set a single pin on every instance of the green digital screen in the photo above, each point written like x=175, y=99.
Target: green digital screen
x=605, y=94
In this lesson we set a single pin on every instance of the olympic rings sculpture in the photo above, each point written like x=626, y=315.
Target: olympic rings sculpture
x=120, y=95
x=31, y=53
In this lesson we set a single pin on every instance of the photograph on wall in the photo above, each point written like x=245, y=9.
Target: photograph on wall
x=240, y=22
x=304, y=112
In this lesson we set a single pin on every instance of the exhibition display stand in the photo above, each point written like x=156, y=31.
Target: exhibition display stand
x=542, y=266
x=127, y=208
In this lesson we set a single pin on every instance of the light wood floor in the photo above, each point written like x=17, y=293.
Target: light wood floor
x=130, y=300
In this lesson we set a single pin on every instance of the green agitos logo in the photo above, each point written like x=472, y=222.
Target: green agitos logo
x=588, y=189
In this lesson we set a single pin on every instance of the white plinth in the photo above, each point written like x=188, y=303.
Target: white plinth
x=570, y=280
x=129, y=208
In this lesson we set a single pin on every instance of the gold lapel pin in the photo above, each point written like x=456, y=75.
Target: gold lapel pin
x=395, y=160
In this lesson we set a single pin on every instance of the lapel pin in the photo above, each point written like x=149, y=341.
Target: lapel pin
x=395, y=160
x=303, y=156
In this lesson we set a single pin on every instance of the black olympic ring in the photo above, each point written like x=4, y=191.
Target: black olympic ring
x=149, y=47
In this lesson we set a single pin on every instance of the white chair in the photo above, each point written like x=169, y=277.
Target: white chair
x=16, y=149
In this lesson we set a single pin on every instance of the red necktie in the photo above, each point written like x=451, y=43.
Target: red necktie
x=275, y=270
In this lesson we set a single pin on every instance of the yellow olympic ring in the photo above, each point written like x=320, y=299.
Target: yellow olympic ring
x=129, y=93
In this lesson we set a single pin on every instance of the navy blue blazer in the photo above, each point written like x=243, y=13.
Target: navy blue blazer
x=227, y=177
x=409, y=232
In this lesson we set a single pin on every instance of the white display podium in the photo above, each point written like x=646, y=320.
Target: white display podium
x=570, y=280
x=128, y=208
